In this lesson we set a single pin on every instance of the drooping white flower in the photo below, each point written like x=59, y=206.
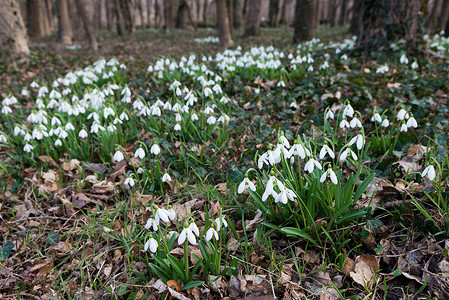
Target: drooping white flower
x=329, y=173
x=187, y=232
x=344, y=124
x=82, y=134
x=402, y=114
x=177, y=127
x=245, y=184
x=404, y=127
x=348, y=111
x=151, y=244
x=161, y=214
x=329, y=115
x=403, y=59
x=359, y=140
x=412, y=122
x=299, y=150
x=429, y=172
x=269, y=189
x=414, y=65
x=194, y=117
x=118, y=156
x=28, y=148
x=211, y=232
x=166, y=177
x=385, y=122
x=284, y=195
x=58, y=142
x=211, y=120
x=155, y=149
x=207, y=92
x=325, y=149
x=347, y=152
x=140, y=153
x=171, y=213
x=129, y=182
x=221, y=221
x=152, y=223
x=311, y=164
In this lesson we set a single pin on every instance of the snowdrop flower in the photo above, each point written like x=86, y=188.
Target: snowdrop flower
x=211, y=120
x=118, y=156
x=266, y=158
x=161, y=214
x=129, y=182
x=28, y=148
x=402, y=114
x=155, y=149
x=299, y=150
x=404, y=127
x=207, y=92
x=385, y=122
x=211, y=233
x=108, y=111
x=414, y=65
x=429, y=172
x=187, y=232
x=171, y=213
x=376, y=117
x=403, y=59
x=221, y=221
x=3, y=139
x=325, y=149
x=69, y=127
x=347, y=152
x=269, y=189
x=311, y=164
x=382, y=69
x=344, y=124
x=294, y=105
x=140, y=153
x=329, y=115
x=194, y=117
x=245, y=184
x=82, y=134
x=329, y=173
x=348, y=111
x=355, y=122
x=358, y=139
x=224, y=100
x=178, y=117
x=208, y=110
x=6, y=110
x=151, y=223
x=281, y=84
x=412, y=122
x=177, y=127
x=25, y=93
x=58, y=142
x=34, y=85
x=151, y=244
x=284, y=195
x=166, y=177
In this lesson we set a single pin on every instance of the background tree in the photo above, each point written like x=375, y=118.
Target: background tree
x=237, y=14
x=93, y=44
x=38, y=25
x=65, y=34
x=273, y=13
x=252, y=26
x=385, y=21
x=305, y=20
x=444, y=16
x=224, y=28
x=13, y=35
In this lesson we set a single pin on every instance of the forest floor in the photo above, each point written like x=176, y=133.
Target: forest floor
x=305, y=160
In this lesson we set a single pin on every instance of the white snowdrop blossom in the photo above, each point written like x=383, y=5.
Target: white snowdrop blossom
x=177, y=127
x=82, y=134
x=221, y=221
x=151, y=244
x=403, y=60
x=326, y=150
x=118, y=156
x=358, y=140
x=344, y=124
x=385, y=122
x=140, y=153
x=129, y=182
x=58, y=142
x=348, y=111
x=411, y=122
x=194, y=117
x=28, y=148
x=311, y=164
x=429, y=172
x=414, y=65
x=207, y=92
x=329, y=173
x=151, y=223
x=355, y=122
x=404, y=127
x=402, y=114
x=187, y=232
x=269, y=189
x=376, y=117
x=211, y=120
x=284, y=195
x=155, y=149
x=245, y=184
x=347, y=152
x=161, y=214
x=211, y=232
x=166, y=177
x=329, y=115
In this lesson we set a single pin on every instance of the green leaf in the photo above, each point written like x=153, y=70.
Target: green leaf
x=177, y=266
x=191, y=284
x=5, y=251
x=52, y=238
x=291, y=231
x=397, y=272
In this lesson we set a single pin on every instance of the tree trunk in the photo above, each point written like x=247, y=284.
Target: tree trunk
x=305, y=20
x=386, y=21
x=343, y=12
x=50, y=16
x=224, y=28
x=230, y=6
x=13, y=35
x=205, y=11
x=333, y=15
x=37, y=18
x=237, y=14
x=170, y=9
x=109, y=14
x=184, y=15
x=149, y=4
x=356, y=17
x=120, y=21
x=444, y=16
x=128, y=15
x=65, y=34
x=253, y=22
x=433, y=15
x=273, y=13
x=87, y=25
x=283, y=18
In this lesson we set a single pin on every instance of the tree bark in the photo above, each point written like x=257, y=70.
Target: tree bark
x=444, y=16
x=343, y=12
x=93, y=44
x=386, y=21
x=253, y=22
x=433, y=15
x=205, y=12
x=283, y=17
x=170, y=9
x=237, y=14
x=356, y=18
x=149, y=4
x=273, y=13
x=305, y=20
x=13, y=35
x=184, y=16
x=120, y=21
x=65, y=34
x=333, y=14
x=37, y=18
x=50, y=17
x=224, y=28
x=128, y=15
x=230, y=6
